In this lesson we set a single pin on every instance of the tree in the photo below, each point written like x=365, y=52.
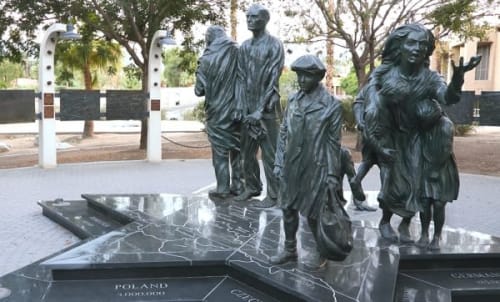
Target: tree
x=9, y=71
x=133, y=77
x=349, y=83
x=233, y=19
x=132, y=23
x=180, y=67
x=89, y=56
x=362, y=26
x=20, y=23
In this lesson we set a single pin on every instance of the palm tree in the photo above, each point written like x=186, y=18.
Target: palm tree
x=89, y=57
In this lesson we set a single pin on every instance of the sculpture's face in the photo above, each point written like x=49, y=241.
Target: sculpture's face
x=208, y=38
x=414, y=48
x=255, y=19
x=307, y=81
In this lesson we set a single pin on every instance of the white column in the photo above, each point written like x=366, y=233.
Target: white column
x=46, y=83
x=155, y=70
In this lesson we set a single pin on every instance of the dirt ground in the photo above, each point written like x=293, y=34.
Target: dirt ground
x=476, y=153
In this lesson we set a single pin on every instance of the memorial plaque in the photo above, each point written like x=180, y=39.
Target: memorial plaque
x=18, y=106
x=48, y=112
x=125, y=105
x=48, y=99
x=155, y=105
x=462, y=112
x=80, y=105
x=489, y=105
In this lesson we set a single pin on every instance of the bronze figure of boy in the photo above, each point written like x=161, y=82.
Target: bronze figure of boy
x=308, y=153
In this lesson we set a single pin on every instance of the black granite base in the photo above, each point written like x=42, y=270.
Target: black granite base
x=81, y=219
x=164, y=247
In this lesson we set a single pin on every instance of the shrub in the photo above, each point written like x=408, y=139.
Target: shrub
x=197, y=113
x=463, y=130
x=348, y=115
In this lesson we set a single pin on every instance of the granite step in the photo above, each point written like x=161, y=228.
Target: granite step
x=79, y=218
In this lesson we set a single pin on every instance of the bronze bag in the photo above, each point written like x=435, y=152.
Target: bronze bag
x=334, y=238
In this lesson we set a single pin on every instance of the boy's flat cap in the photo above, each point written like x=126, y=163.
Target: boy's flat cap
x=310, y=64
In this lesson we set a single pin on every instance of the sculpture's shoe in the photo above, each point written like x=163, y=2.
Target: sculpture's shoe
x=404, y=233
x=363, y=206
x=423, y=242
x=246, y=195
x=267, y=202
x=388, y=232
x=219, y=196
x=318, y=264
x=236, y=189
x=284, y=257
x=357, y=190
x=434, y=245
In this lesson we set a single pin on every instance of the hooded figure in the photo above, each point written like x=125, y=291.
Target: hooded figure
x=215, y=79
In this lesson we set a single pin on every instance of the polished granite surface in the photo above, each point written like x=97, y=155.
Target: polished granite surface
x=175, y=248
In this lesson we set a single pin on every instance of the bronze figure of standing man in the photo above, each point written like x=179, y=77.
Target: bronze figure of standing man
x=215, y=79
x=260, y=63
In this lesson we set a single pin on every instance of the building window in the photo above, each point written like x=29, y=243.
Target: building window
x=482, y=69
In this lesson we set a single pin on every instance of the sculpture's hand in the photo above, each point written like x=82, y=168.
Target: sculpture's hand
x=278, y=171
x=275, y=98
x=253, y=118
x=460, y=70
x=332, y=182
x=388, y=92
x=238, y=115
x=360, y=127
x=388, y=155
x=473, y=62
x=333, y=186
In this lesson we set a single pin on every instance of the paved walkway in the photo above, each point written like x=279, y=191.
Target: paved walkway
x=26, y=235
x=102, y=127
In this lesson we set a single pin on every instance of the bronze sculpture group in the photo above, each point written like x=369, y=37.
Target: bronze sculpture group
x=408, y=135
x=405, y=132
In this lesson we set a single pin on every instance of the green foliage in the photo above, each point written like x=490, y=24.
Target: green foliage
x=19, y=25
x=463, y=130
x=89, y=58
x=197, y=114
x=132, y=78
x=126, y=22
x=362, y=26
x=180, y=67
x=348, y=115
x=461, y=17
x=349, y=83
x=9, y=71
x=288, y=85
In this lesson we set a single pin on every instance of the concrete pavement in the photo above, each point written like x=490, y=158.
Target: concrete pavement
x=102, y=126
x=26, y=235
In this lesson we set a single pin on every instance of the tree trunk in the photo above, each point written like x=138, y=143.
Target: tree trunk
x=329, y=65
x=88, y=126
x=329, y=57
x=233, y=19
x=436, y=55
x=144, y=122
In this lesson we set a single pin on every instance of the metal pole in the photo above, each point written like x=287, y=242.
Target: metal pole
x=155, y=70
x=46, y=85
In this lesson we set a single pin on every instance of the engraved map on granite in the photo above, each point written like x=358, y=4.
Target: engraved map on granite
x=166, y=247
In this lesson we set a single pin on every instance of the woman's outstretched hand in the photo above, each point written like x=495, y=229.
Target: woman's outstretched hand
x=460, y=69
